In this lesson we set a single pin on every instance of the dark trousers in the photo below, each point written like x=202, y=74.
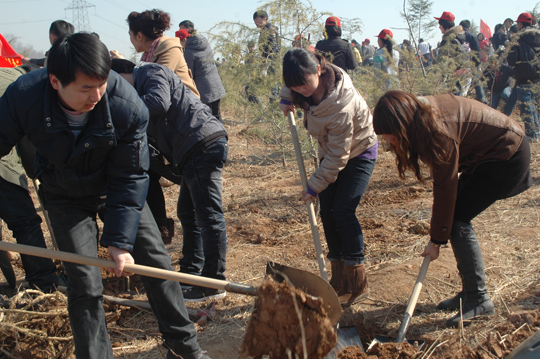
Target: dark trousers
x=155, y=198
x=338, y=211
x=216, y=111
x=492, y=181
x=76, y=230
x=19, y=213
x=201, y=213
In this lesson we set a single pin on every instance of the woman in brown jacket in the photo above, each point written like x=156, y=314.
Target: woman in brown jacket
x=477, y=156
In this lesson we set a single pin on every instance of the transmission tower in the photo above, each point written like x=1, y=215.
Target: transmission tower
x=81, y=21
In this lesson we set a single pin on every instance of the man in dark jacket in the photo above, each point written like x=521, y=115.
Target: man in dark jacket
x=498, y=82
x=89, y=128
x=195, y=142
x=337, y=50
x=524, y=56
x=59, y=28
x=268, y=40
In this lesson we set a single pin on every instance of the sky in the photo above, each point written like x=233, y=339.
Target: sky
x=29, y=20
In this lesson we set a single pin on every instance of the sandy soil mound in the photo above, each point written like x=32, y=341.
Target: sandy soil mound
x=274, y=328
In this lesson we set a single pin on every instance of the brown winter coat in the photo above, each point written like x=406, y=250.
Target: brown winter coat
x=170, y=54
x=476, y=134
x=341, y=123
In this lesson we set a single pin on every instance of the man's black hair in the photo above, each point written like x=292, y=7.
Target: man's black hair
x=447, y=24
x=122, y=66
x=260, y=13
x=333, y=30
x=78, y=53
x=508, y=19
x=465, y=24
x=187, y=24
x=30, y=67
x=61, y=28
x=421, y=40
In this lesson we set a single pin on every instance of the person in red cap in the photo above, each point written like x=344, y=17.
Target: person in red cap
x=337, y=50
x=368, y=51
x=454, y=46
x=386, y=60
x=524, y=57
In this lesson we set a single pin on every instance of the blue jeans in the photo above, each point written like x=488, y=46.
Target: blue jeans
x=527, y=106
x=76, y=230
x=201, y=213
x=338, y=211
x=507, y=95
x=19, y=213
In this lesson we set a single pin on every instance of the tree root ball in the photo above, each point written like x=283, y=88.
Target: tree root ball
x=274, y=328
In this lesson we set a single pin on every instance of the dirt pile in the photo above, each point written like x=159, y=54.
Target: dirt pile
x=381, y=351
x=274, y=328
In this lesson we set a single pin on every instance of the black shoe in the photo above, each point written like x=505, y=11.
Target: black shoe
x=452, y=303
x=470, y=313
x=199, y=294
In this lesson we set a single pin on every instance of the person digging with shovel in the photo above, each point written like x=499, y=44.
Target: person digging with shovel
x=477, y=156
x=339, y=118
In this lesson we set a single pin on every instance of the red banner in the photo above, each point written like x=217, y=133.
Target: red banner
x=484, y=29
x=8, y=56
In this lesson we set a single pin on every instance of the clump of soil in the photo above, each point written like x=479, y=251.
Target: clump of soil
x=381, y=351
x=274, y=327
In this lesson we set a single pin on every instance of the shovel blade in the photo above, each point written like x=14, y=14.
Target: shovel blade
x=310, y=283
x=347, y=336
x=383, y=340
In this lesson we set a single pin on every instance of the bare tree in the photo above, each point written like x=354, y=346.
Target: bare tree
x=418, y=16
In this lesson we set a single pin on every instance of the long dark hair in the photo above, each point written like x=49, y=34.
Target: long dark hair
x=401, y=114
x=152, y=23
x=297, y=63
x=388, y=44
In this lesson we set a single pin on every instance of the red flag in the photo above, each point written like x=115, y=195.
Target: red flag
x=8, y=56
x=484, y=29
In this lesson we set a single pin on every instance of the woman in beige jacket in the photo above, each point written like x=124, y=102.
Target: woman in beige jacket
x=477, y=156
x=339, y=118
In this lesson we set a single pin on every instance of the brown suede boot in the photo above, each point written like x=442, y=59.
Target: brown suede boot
x=337, y=274
x=166, y=229
x=355, y=285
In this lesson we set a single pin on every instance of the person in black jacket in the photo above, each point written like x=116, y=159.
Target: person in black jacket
x=195, y=142
x=474, y=46
x=498, y=82
x=59, y=28
x=89, y=128
x=336, y=50
x=268, y=40
x=524, y=56
x=499, y=38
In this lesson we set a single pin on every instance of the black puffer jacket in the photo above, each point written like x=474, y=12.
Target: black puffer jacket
x=525, y=56
x=340, y=51
x=179, y=121
x=200, y=60
x=110, y=154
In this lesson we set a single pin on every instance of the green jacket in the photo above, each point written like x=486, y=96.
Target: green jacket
x=11, y=168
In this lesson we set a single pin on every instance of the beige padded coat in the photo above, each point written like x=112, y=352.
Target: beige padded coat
x=342, y=124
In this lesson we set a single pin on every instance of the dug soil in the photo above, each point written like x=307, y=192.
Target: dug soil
x=266, y=221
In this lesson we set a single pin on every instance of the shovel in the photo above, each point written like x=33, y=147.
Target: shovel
x=309, y=204
x=408, y=312
x=299, y=278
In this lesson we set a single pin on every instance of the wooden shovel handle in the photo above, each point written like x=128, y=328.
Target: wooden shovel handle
x=131, y=268
x=309, y=204
x=412, y=301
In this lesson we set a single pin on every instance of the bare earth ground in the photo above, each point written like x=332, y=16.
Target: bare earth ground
x=266, y=221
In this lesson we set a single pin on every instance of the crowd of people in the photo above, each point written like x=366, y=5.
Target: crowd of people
x=104, y=130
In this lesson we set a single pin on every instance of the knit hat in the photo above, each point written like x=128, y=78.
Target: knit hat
x=182, y=34
x=384, y=33
x=525, y=17
x=333, y=21
x=447, y=15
